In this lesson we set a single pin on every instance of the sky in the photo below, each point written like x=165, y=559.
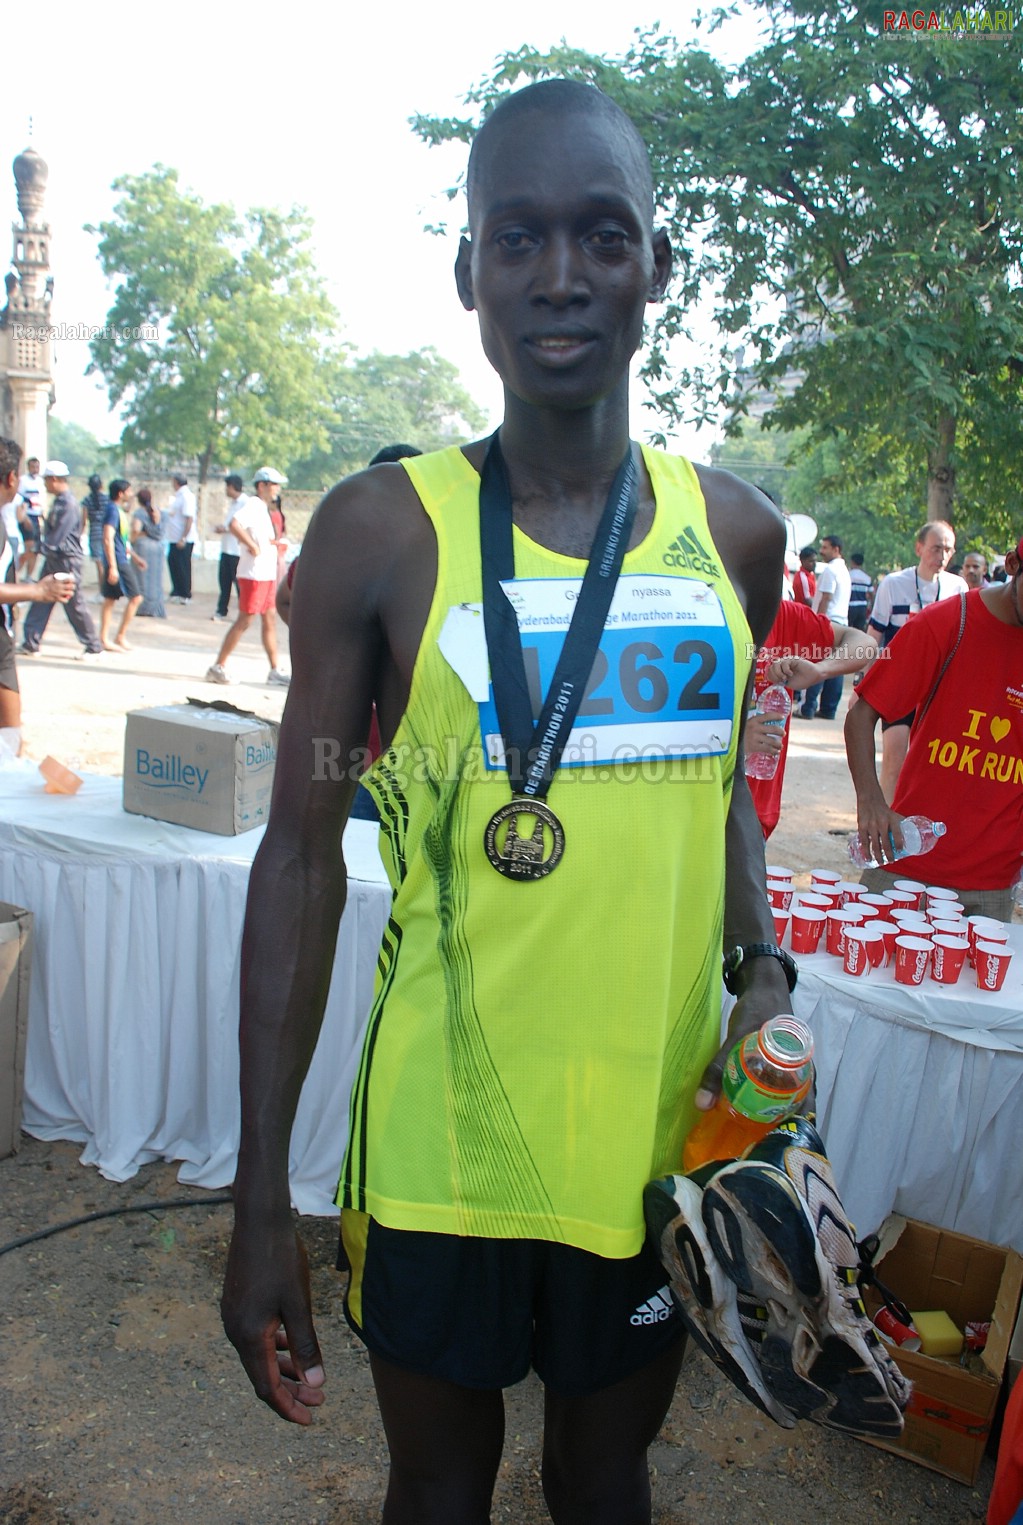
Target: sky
x=304, y=104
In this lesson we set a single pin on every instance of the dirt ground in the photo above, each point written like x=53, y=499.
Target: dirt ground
x=120, y=1400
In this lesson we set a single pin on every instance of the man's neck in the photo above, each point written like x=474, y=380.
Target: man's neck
x=927, y=576
x=1003, y=601
x=565, y=455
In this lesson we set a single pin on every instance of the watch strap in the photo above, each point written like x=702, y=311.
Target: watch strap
x=734, y=961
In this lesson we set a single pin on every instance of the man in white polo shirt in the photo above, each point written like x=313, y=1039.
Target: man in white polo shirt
x=831, y=599
x=257, y=575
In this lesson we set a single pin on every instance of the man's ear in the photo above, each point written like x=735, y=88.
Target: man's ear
x=663, y=265
x=463, y=275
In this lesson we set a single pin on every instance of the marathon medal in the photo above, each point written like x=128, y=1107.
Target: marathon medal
x=525, y=839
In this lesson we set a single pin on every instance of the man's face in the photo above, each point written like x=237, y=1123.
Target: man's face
x=808, y=563
x=267, y=491
x=829, y=550
x=32, y=466
x=936, y=550
x=562, y=261
x=8, y=487
x=55, y=485
x=974, y=567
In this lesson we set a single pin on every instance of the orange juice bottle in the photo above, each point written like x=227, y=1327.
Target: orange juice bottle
x=766, y=1076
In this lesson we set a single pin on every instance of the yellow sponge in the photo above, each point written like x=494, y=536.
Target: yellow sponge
x=938, y=1335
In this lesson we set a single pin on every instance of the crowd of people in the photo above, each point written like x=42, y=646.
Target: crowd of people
x=134, y=545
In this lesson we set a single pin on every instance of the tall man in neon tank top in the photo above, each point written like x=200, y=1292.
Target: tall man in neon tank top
x=549, y=996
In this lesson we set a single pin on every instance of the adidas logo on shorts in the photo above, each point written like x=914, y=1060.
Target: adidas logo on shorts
x=688, y=553
x=655, y=1310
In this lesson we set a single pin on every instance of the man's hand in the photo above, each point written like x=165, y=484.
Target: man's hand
x=879, y=827
x=764, y=733
x=794, y=672
x=765, y=995
x=113, y=576
x=50, y=591
x=267, y=1312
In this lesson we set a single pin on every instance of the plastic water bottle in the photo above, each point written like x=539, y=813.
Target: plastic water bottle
x=918, y=833
x=766, y=1076
x=775, y=701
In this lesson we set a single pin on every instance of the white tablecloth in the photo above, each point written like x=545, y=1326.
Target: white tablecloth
x=133, y=1025
x=920, y=1095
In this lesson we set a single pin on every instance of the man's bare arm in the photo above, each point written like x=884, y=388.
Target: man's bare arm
x=878, y=825
x=296, y=896
x=750, y=534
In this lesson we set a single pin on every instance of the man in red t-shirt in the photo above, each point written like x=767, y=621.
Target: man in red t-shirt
x=964, y=765
x=802, y=648
x=804, y=583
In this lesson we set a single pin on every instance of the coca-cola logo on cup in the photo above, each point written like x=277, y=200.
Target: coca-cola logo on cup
x=919, y=965
x=991, y=970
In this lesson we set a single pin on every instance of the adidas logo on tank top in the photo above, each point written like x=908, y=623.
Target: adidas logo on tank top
x=687, y=552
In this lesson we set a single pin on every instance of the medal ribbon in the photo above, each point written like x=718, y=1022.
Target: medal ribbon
x=532, y=752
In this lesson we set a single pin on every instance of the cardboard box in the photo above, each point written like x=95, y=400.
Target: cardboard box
x=208, y=767
x=15, y=973
x=950, y=1412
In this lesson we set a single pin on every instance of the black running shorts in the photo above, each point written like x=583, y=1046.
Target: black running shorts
x=481, y=1312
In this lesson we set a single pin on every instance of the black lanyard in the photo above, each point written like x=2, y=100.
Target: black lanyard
x=532, y=752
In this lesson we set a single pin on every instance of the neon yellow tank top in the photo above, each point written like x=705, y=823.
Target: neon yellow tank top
x=533, y=1047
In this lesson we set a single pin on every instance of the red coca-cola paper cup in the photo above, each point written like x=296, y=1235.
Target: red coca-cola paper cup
x=983, y=929
x=889, y=933
x=911, y=887
x=813, y=901
x=838, y=920
x=866, y=913
x=779, y=894
x=902, y=900
x=824, y=878
x=775, y=871
x=855, y=958
x=912, y=956
x=895, y=1331
x=781, y=921
x=876, y=952
x=947, y=958
x=991, y=963
x=951, y=926
x=849, y=891
x=807, y=928
x=881, y=904
x=936, y=892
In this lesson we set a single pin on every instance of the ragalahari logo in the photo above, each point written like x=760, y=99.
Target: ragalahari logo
x=960, y=22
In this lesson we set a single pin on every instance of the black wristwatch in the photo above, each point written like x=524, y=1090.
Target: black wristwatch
x=734, y=961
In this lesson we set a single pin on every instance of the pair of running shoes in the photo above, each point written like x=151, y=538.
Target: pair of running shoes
x=766, y=1271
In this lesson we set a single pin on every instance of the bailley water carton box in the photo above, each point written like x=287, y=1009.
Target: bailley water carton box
x=211, y=769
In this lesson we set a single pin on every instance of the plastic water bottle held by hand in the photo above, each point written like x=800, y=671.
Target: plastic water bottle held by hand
x=918, y=834
x=776, y=702
x=766, y=1076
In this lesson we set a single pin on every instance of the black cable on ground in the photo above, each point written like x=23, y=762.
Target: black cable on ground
x=116, y=1212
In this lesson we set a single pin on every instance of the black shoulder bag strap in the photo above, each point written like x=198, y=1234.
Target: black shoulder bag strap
x=930, y=697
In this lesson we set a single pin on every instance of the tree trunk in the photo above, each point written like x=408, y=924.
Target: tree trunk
x=204, y=471
x=941, y=471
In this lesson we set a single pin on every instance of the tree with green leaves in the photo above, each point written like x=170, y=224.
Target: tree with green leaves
x=378, y=400
x=216, y=343
x=852, y=200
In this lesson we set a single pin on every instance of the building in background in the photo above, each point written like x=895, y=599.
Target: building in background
x=26, y=350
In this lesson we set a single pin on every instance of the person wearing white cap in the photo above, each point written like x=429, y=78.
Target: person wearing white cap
x=251, y=526
x=62, y=551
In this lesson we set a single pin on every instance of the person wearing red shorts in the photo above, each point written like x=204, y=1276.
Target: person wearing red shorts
x=257, y=577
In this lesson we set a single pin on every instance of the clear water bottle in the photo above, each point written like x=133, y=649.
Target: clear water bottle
x=776, y=702
x=766, y=1076
x=918, y=833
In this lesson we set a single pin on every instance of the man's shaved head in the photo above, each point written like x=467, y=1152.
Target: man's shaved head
x=554, y=98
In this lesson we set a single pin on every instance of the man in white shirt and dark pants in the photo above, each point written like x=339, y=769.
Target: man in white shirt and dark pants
x=257, y=577
x=230, y=550
x=180, y=521
x=831, y=599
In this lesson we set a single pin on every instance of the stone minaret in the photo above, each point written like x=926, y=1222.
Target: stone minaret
x=26, y=355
